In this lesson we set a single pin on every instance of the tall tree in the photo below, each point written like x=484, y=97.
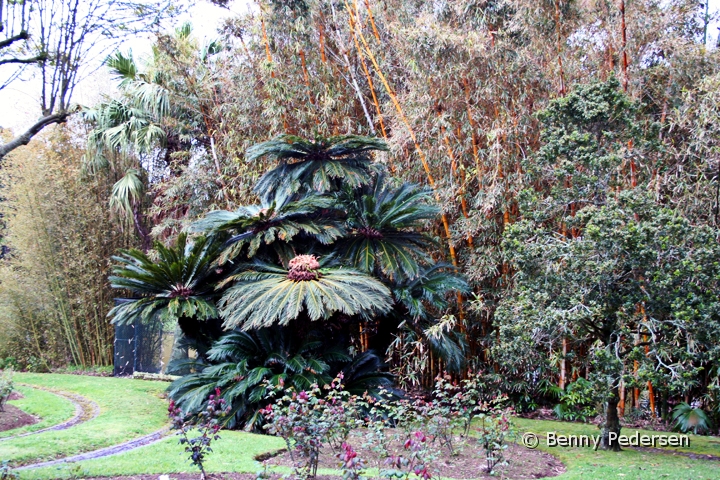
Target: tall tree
x=59, y=40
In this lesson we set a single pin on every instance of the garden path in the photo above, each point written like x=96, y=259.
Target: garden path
x=85, y=409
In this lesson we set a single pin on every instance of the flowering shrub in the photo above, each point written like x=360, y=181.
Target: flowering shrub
x=308, y=420
x=350, y=464
x=405, y=436
x=415, y=459
x=207, y=423
x=494, y=431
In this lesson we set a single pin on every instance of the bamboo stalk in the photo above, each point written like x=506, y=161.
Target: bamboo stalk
x=625, y=62
x=558, y=38
x=306, y=76
x=267, y=42
x=563, y=364
x=418, y=149
x=368, y=77
x=372, y=20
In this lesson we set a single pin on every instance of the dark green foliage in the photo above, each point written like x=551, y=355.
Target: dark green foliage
x=687, y=418
x=323, y=164
x=243, y=365
x=311, y=218
x=263, y=295
x=385, y=227
x=179, y=285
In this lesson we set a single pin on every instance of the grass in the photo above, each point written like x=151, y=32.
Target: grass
x=128, y=409
x=234, y=452
x=50, y=408
x=584, y=463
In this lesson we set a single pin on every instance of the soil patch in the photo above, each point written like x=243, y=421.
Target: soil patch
x=469, y=461
x=15, y=396
x=12, y=417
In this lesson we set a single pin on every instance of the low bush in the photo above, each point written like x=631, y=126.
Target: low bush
x=206, y=424
x=6, y=386
x=405, y=436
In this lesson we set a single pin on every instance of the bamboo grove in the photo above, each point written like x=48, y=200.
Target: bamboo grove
x=462, y=92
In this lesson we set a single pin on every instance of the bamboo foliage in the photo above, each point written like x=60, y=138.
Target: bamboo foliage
x=54, y=297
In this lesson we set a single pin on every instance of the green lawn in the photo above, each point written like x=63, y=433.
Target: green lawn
x=128, y=409
x=234, y=452
x=585, y=463
x=50, y=408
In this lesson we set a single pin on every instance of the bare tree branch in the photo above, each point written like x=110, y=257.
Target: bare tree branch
x=15, y=38
x=38, y=58
x=25, y=137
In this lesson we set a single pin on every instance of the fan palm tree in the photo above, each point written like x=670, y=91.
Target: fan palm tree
x=178, y=287
x=285, y=217
x=264, y=294
x=320, y=164
x=386, y=227
x=156, y=116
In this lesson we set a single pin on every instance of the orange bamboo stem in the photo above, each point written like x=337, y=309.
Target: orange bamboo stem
x=372, y=20
x=368, y=77
x=306, y=76
x=558, y=38
x=267, y=43
x=418, y=149
x=625, y=61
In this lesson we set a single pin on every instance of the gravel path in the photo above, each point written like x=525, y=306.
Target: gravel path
x=85, y=409
x=104, y=452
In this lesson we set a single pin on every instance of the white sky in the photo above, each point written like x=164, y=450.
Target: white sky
x=20, y=107
x=19, y=102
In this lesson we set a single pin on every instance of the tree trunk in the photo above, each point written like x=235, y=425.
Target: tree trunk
x=612, y=423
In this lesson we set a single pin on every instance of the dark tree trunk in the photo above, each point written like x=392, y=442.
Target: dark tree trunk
x=612, y=423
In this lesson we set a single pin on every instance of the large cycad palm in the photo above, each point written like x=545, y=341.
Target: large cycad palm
x=386, y=226
x=321, y=164
x=264, y=294
x=310, y=217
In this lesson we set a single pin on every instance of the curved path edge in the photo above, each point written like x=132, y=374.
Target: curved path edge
x=85, y=409
x=104, y=452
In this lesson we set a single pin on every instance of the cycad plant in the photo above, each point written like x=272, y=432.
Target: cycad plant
x=264, y=294
x=334, y=246
x=245, y=365
x=385, y=227
x=321, y=164
x=179, y=286
x=280, y=223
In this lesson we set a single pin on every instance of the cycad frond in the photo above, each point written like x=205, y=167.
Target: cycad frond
x=264, y=295
x=315, y=164
x=282, y=219
x=386, y=224
x=180, y=284
x=427, y=293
